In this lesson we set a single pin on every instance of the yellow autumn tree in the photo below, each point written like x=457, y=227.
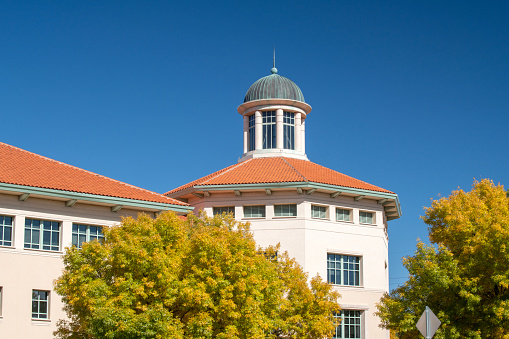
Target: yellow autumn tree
x=197, y=278
x=464, y=275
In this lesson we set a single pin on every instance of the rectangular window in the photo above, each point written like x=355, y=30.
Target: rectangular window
x=251, y=133
x=40, y=303
x=365, y=217
x=5, y=230
x=289, y=210
x=342, y=214
x=289, y=130
x=224, y=209
x=350, y=326
x=86, y=233
x=318, y=212
x=42, y=234
x=269, y=129
x=1, y=294
x=254, y=211
x=343, y=269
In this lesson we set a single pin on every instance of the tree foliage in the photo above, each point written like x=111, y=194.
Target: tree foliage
x=196, y=278
x=464, y=276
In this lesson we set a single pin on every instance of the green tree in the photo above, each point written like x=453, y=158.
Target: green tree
x=197, y=278
x=464, y=276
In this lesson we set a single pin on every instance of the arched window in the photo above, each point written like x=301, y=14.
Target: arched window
x=288, y=130
x=269, y=129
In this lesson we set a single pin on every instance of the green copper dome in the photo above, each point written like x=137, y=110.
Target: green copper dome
x=274, y=86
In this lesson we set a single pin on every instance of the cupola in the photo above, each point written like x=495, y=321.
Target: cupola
x=274, y=114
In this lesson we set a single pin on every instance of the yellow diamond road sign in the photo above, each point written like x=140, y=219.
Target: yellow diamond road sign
x=428, y=323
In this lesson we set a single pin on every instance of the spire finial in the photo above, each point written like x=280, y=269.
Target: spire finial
x=274, y=69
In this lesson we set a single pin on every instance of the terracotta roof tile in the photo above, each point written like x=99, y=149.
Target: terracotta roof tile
x=20, y=167
x=279, y=170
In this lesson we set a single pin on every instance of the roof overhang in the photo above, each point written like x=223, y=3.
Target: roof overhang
x=260, y=104
x=389, y=201
x=93, y=198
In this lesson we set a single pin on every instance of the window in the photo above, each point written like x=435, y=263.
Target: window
x=40, y=300
x=289, y=210
x=350, y=326
x=254, y=211
x=269, y=129
x=318, y=212
x=85, y=233
x=343, y=269
x=5, y=231
x=289, y=130
x=251, y=132
x=225, y=209
x=1, y=291
x=42, y=234
x=365, y=217
x=342, y=214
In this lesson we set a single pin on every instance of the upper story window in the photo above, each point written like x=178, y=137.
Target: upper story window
x=42, y=234
x=350, y=325
x=86, y=233
x=318, y=212
x=342, y=214
x=269, y=129
x=252, y=138
x=366, y=217
x=5, y=231
x=289, y=210
x=254, y=211
x=289, y=130
x=343, y=269
x=1, y=291
x=224, y=209
x=40, y=303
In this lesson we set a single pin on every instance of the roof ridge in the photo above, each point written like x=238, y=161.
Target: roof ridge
x=83, y=170
x=303, y=177
x=237, y=165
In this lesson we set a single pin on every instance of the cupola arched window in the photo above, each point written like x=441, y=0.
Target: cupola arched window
x=269, y=129
x=289, y=130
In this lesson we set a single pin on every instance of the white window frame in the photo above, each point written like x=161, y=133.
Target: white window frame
x=87, y=234
x=40, y=315
x=290, y=210
x=42, y=232
x=337, y=265
x=344, y=209
x=373, y=217
x=252, y=206
x=341, y=327
x=3, y=227
x=223, y=209
x=320, y=207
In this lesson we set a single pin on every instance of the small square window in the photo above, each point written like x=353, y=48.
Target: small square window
x=254, y=211
x=366, y=217
x=224, y=209
x=5, y=230
x=289, y=210
x=40, y=304
x=318, y=212
x=342, y=214
x=86, y=233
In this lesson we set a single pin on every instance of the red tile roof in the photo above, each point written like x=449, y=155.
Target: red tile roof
x=20, y=167
x=279, y=170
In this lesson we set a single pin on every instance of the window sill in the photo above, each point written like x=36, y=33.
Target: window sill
x=367, y=224
x=5, y=246
x=41, y=322
x=285, y=217
x=316, y=218
x=251, y=218
x=347, y=286
x=43, y=251
x=345, y=221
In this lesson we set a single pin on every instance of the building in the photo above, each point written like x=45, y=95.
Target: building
x=45, y=206
x=333, y=224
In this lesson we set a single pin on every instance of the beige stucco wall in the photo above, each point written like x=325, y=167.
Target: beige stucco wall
x=23, y=270
x=309, y=240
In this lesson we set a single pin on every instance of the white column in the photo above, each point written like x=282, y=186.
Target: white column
x=303, y=136
x=66, y=233
x=19, y=231
x=246, y=133
x=258, y=130
x=298, y=132
x=279, y=129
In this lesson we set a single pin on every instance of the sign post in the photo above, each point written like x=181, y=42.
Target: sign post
x=428, y=323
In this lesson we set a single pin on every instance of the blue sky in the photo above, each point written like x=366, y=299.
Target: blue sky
x=411, y=96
